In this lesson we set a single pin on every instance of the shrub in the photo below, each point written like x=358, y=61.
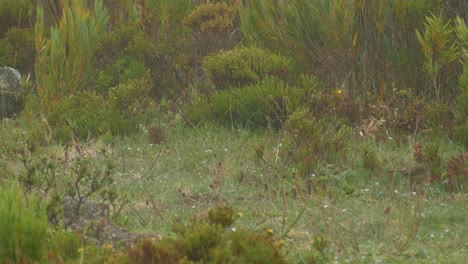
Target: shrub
x=80, y=116
x=17, y=50
x=23, y=226
x=213, y=27
x=337, y=104
x=167, y=52
x=121, y=71
x=206, y=240
x=14, y=13
x=266, y=103
x=440, y=119
x=88, y=114
x=245, y=66
x=131, y=98
x=312, y=140
x=457, y=174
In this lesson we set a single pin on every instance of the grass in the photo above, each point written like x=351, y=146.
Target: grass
x=345, y=213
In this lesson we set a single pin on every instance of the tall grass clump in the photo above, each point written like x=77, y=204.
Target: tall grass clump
x=23, y=226
x=64, y=59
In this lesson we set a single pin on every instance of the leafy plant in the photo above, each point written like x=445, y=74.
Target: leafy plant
x=440, y=51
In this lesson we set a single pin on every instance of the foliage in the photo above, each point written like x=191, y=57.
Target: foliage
x=440, y=119
x=462, y=99
x=23, y=226
x=205, y=240
x=17, y=50
x=337, y=104
x=81, y=116
x=314, y=140
x=131, y=99
x=245, y=66
x=457, y=174
x=214, y=27
x=440, y=52
x=268, y=102
x=370, y=160
x=113, y=65
x=14, y=13
x=354, y=45
x=64, y=60
x=88, y=114
x=215, y=17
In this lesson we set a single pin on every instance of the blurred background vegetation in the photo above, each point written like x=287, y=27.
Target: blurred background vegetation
x=409, y=57
x=324, y=74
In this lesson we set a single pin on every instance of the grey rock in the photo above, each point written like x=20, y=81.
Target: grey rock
x=11, y=92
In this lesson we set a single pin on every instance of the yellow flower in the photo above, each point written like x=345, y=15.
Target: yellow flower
x=108, y=246
x=270, y=231
x=239, y=214
x=81, y=250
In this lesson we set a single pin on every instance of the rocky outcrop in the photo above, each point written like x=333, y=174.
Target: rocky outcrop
x=11, y=93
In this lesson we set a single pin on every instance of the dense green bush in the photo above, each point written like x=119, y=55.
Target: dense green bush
x=314, y=140
x=23, y=226
x=268, y=102
x=79, y=117
x=245, y=66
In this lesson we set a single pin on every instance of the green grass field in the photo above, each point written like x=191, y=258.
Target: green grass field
x=341, y=213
